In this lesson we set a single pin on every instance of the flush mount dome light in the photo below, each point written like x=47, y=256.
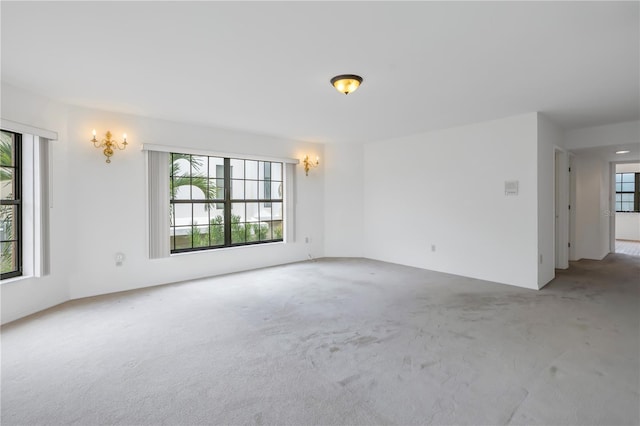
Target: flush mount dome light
x=346, y=83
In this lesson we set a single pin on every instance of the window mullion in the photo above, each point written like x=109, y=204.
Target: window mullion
x=18, y=177
x=636, y=196
x=227, y=201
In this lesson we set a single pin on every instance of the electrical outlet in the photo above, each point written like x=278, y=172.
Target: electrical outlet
x=119, y=257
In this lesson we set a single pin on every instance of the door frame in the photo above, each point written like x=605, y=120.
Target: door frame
x=561, y=207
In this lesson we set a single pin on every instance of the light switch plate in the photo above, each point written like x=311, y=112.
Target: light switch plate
x=510, y=187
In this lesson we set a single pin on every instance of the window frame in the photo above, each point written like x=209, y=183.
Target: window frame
x=18, y=202
x=227, y=201
x=635, y=193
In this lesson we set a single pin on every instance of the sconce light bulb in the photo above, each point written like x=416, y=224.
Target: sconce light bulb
x=124, y=137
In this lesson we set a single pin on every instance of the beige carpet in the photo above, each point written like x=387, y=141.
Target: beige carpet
x=335, y=341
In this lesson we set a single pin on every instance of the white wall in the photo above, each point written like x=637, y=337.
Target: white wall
x=110, y=213
x=23, y=296
x=343, y=197
x=549, y=137
x=390, y=200
x=100, y=209
x=628, y=224
x=628, y=167
x=611, y=134
x=446, y=188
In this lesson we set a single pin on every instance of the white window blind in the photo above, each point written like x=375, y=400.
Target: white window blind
x=42, y=198
x=158, y=194
x=36, y=207
x=289, y=202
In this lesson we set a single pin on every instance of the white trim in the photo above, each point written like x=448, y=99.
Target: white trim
x=16, y=279
x=196, y=151
x=561, y=204
x=612, y=207
x=14, y=126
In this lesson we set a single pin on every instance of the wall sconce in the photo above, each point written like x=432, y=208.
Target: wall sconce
x=308, y=164
x=109, y=144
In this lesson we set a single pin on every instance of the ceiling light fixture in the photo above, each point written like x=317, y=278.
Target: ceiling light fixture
x=623, y=152
x=346, y=83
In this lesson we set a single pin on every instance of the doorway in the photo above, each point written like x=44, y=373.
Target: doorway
x=626, y=208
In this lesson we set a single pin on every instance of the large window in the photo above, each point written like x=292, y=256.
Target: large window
x=10, y=204
x=222, y=202
x=627, y=192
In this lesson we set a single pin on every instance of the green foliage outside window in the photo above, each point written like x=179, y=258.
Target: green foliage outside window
x=8, y=209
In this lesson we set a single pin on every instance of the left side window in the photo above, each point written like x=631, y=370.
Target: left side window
x=10, y=204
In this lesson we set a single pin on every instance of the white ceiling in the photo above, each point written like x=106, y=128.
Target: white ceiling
x=264, y=67
x=608, y=153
